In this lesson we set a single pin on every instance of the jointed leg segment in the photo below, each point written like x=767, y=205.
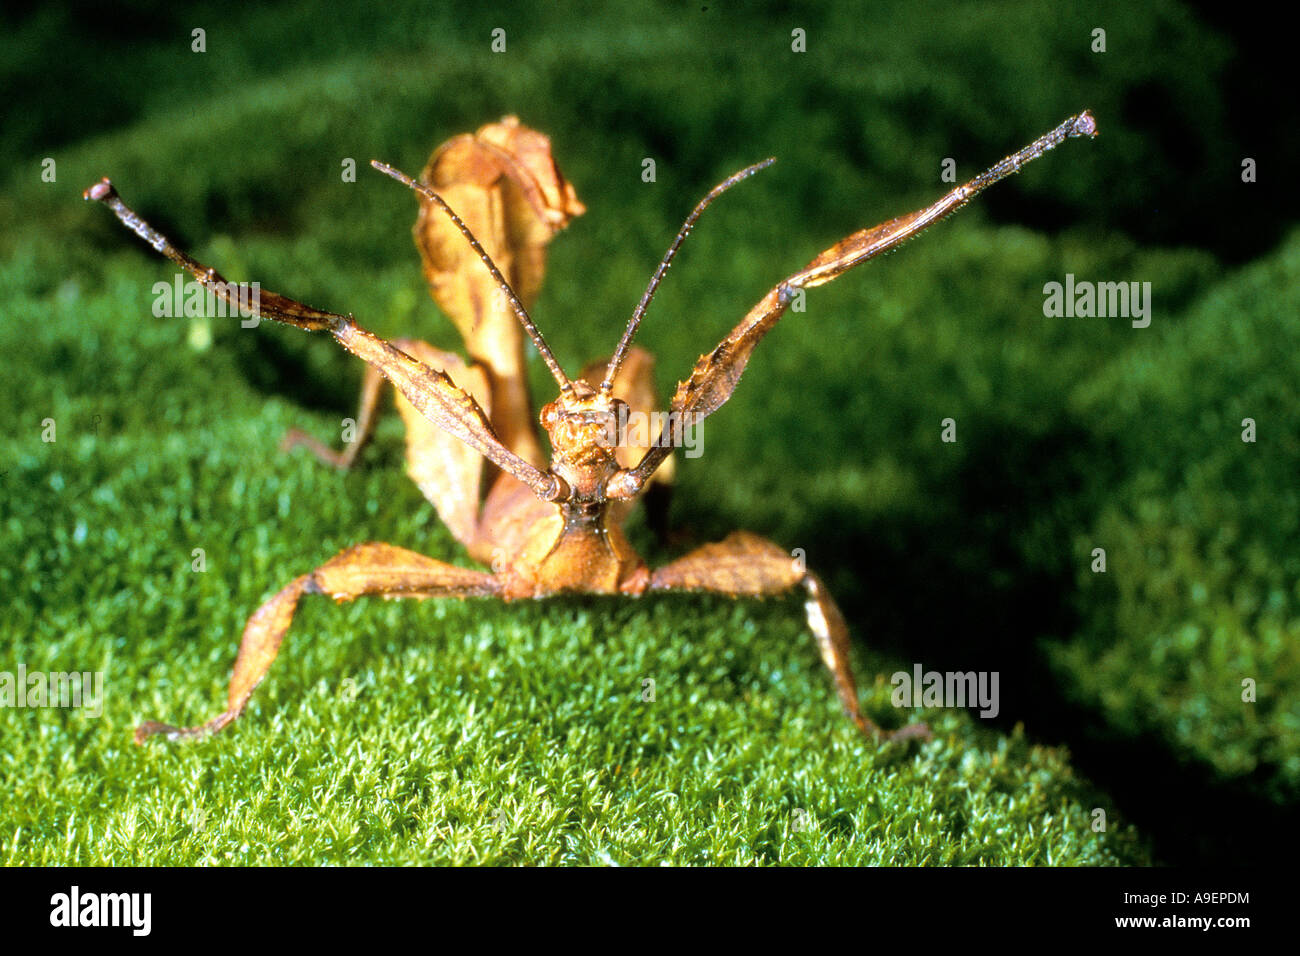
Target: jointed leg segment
x=365, y=569
x=371, y=385
x=745, y=565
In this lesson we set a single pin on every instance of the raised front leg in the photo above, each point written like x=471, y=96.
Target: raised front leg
x=745, y=565
x=360, y=570
x=716, y=373
x=429, y=390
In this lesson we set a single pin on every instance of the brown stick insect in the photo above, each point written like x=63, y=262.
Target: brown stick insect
x=557, y=529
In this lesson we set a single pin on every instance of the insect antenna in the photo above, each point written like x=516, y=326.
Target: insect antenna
x=621, y=352
x=524, y=319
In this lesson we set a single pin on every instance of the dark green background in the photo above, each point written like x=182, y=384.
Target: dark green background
x=1073, y=433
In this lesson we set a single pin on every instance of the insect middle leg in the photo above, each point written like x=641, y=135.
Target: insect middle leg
x=745, y=565
x=371, y=386
x=365, y=569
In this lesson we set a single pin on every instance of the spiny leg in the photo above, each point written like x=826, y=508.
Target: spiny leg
x=716, y=373
x=745, y=565
x=363, y=569
x=429, y=390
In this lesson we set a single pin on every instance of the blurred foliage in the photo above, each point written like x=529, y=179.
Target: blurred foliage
x=1202, y=589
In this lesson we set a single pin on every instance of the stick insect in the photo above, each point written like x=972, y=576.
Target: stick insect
x=557, y=529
